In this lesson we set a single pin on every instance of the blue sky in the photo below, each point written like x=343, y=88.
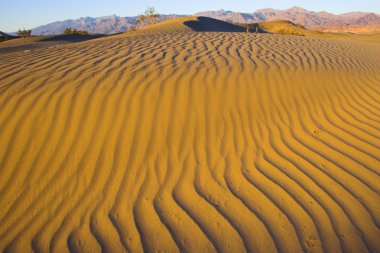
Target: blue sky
x=28, y=14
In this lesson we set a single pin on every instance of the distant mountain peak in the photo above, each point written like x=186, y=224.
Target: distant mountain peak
x=94, y=25
x=297, y=8
x=315, y=20
x=310, y=19
x=2, y=34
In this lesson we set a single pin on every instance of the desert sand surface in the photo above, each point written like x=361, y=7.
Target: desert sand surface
x=37, y=42
x=172, y=140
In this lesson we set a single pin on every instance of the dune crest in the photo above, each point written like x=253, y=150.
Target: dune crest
x=195, y=24
x=196, y=142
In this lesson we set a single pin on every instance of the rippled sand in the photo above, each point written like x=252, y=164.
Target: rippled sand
x=194, y=142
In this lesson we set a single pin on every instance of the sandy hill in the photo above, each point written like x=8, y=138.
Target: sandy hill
x=283, y=27
x=191, y=142
x=197, y=24
x=35, y=42
x=274, y=26
x=205, y=24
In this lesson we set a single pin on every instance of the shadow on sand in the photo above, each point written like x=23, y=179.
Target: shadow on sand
x=72, y=38
x=35, y=42
x=204, y=24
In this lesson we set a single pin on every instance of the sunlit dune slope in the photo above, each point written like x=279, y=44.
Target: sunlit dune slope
x=35, y=42
x=195, y=24
x=191, y=141
x=285, y=26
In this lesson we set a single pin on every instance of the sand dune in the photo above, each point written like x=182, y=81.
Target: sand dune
x=36, y=42
x=191, y=141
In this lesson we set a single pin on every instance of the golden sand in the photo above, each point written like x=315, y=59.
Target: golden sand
x=193, y=142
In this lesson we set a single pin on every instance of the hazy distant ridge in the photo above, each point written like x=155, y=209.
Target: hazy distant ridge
x=322, y=20
x=100, y=25
x=310, y=19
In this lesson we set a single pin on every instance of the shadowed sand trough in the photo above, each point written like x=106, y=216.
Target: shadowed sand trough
x=195, y=142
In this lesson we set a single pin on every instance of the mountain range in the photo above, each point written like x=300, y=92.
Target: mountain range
x=353, y=21
x=98, y=25
x=348, y=22
x=3, y=34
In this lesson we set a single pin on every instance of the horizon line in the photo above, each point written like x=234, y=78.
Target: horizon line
x=228, y=10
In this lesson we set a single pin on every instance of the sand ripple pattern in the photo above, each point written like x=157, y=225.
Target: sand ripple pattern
x=193, y=142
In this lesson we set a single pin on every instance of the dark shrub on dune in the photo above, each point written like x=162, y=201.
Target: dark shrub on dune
x=24, y=33
x=70, y=31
